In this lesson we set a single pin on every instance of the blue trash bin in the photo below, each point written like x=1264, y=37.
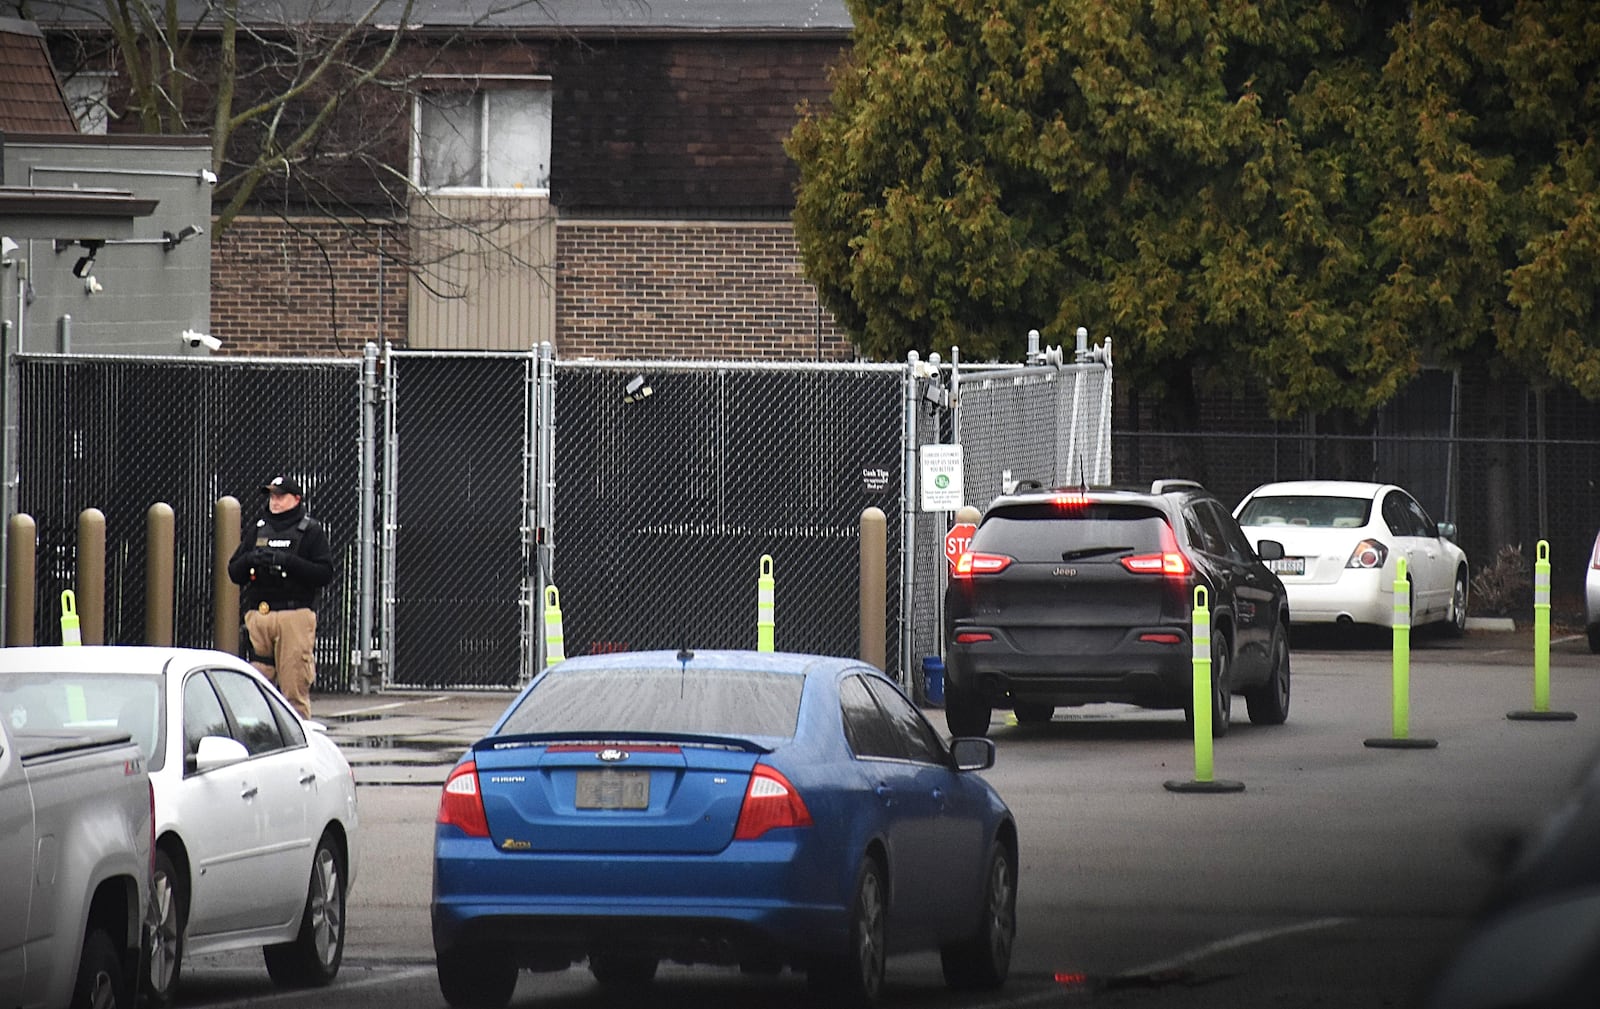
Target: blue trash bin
x=933, y=680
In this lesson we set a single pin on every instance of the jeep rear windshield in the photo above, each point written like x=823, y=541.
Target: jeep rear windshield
x=1051, y=532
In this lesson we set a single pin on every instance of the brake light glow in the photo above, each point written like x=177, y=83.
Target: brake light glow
x=1071, y=500
x=1368, y=554
x=973, y=637
x=770, y=802
x=970, y=564
x=461, y=805
x=1171, y=563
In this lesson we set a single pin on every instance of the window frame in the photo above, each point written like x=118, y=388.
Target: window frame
x=473, y=84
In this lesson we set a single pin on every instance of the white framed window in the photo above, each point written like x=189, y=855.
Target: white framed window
x=482, y=134
x=88, y=95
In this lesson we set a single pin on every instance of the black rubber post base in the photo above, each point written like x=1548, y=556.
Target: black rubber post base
x=1408, y=743
x=1542, y=716
x=1205, y=786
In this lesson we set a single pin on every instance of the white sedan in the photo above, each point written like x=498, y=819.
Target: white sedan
x=1341, y=540
x=255, y=807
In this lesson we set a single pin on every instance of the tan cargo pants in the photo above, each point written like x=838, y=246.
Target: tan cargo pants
x=283, y=643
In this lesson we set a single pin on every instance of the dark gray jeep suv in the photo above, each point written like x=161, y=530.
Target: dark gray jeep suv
x=1083, y=595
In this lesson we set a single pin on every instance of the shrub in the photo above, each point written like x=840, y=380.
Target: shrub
x=1503, y=588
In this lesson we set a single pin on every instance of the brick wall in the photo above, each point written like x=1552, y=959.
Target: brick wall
x=653, y=289
x=636, y=289
x=309, y=287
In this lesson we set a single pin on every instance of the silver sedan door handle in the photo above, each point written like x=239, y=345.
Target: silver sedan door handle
x=248, y=792
x=307, y=777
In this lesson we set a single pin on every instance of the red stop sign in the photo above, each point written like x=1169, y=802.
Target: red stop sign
x=957, y=540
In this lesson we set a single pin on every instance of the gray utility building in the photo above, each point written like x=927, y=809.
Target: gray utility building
x=104, y=240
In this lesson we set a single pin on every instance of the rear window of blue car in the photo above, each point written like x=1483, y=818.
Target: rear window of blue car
x=720, y=702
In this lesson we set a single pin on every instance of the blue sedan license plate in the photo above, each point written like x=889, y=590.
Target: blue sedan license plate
x=613, y=789
x=1288, y=566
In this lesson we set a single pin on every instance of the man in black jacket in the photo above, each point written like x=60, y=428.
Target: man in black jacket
x=280, y=569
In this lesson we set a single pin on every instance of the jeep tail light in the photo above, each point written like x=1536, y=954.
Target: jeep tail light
x=770, y=802
x=461, y=805
x=1172, y=562
x=973, y=637
x=970, y=564
x=1368, y=554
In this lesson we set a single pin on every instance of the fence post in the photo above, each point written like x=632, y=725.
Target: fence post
x=1541, y=646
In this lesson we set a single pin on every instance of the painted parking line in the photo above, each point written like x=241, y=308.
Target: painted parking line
x=401, y=976
x=1239, y=941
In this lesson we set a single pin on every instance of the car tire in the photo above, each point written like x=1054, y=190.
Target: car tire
x=475, y=978
x=1457, y=626
x=1034, y=714
x=965, y=712
x=854, y=979
x=1594, y=638
x=312, y=959
x=1221, y=695
x=982, y=961
x=1268, y=704
x=622, y=971
x=169, y=915
x=100, y=983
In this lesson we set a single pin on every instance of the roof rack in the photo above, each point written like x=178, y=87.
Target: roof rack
x=1164, y=486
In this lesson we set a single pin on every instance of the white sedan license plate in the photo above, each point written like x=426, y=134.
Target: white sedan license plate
x=1288, y=566
x=613, y=789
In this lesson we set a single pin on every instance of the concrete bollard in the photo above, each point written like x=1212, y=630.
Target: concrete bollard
x=91, y=579
x=160, y=539
x=873, y=561
x=22, y=544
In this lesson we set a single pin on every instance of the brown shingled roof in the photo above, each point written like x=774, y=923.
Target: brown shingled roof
x=30, y=95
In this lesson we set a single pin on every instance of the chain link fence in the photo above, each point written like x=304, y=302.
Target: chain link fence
x=121, y=435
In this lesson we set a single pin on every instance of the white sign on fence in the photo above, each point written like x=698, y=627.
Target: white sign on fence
x=941, y=478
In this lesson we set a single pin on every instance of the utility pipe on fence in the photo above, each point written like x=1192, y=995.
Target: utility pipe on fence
x=365, y=654
x=21, y=542
x=1401, y=738
x=1200, y=699
x=874, y=586
x=1541, y=646
x=225, y=531
x=160, y=526
x=91, y=576
x=764, y=605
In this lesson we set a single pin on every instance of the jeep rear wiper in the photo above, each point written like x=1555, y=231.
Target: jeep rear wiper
x=1077, y=555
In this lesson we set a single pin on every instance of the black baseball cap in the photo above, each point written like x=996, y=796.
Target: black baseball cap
x=282, y=485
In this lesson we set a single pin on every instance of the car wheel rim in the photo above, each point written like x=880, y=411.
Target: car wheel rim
x=327, y=916
x=1002, y=920
x=164, y=937
x=869, y=950
x=1282, y=672
x=1460, y=605
x=1224, y=700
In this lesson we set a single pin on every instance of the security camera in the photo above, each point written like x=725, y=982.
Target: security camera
x=206, y=340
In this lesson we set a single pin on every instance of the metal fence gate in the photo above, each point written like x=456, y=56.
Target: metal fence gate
x=123, y=434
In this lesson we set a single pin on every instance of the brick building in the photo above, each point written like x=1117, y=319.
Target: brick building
x=607, y=177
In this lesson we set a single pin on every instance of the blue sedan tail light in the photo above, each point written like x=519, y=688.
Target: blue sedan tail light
x=461, y=805
x=770, y=802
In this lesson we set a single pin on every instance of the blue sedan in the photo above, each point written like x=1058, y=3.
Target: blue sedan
x=743, y=808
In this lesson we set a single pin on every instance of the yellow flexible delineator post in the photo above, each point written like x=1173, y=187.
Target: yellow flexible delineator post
x=70, y=634
x=764, y=606
x=1541, y=646
x=1401, y=738
x=555, y=649
x=1200, y=699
